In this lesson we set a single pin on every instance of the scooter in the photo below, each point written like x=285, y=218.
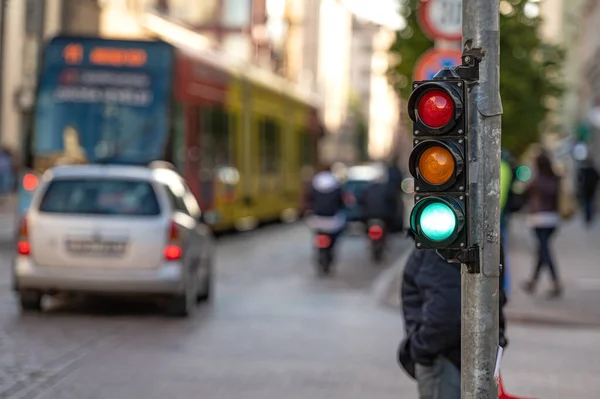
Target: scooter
x=326, y=229
x=324, y=250
x=376, y=230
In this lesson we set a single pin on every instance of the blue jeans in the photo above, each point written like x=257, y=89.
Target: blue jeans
x=588, y=207
x=544, y=258
x=438, y=381
x=506, y=264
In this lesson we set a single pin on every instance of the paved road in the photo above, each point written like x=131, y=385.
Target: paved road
x=274, y=331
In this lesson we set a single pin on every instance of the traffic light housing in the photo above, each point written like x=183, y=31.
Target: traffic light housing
x=438, y=163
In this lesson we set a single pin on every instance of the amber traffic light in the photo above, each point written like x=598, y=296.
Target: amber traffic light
x=436, y=165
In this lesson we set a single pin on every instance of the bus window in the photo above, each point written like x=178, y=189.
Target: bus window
x=86, y=112
x=270, y=145
x=176, y=147
x=216, y=138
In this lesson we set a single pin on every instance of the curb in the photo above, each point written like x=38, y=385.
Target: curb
x=386, y=288
x=541, y=319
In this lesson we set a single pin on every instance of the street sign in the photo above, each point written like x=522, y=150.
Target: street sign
x=441, y=19
x=433, y=60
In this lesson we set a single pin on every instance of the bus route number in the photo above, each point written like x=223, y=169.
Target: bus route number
x=106, y=56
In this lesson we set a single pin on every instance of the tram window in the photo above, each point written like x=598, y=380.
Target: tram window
x=270, y=145
x=215, y=138
x=306, y=148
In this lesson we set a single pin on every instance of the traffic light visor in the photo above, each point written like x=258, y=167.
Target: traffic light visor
x=436, y=165
x=435, y=108
x=437, y=221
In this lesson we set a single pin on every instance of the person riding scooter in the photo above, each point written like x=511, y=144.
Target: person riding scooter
x=379, y=204
x=379, y=201
x=326, y=206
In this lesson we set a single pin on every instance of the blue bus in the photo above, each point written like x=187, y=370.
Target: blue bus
x=98, y=100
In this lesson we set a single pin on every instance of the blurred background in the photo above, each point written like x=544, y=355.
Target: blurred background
x=259, y=96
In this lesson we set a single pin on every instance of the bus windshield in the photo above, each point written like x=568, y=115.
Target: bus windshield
x=102, y=100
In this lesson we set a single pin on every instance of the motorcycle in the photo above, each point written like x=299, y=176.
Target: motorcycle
x=376, y=230
x=326, y=231
x=324, y=248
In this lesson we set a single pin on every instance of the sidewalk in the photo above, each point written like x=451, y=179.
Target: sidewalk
x=7, y=219
x=577, y=253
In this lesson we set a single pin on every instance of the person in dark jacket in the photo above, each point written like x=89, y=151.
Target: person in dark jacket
x=379, y=201
x=431, y=304
x=394, y=174
x=325, y=195
x=395, y=185
x=588, y=184
x=326, y=204
x=543, y=194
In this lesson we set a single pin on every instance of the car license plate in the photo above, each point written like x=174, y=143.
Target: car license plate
x=104, y=248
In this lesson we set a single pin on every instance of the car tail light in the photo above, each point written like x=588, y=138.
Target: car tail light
x=322, y=241
x=375, y=232
x=173, y=249
x=173, y=232
x=23, y=228
x=23, y=246
x=173, y=252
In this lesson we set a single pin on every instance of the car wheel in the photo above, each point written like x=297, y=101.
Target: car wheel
x=181, y=305
x=31, y=301
x=206, y=292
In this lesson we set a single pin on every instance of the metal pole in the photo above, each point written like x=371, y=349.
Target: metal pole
x=480, y=290
x=3, y=7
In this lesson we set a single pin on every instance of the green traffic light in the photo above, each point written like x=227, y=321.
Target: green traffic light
x=437, y=221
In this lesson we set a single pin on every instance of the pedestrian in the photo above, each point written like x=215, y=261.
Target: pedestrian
x=394, y=182
x=379, y=201
x=588, y=185
x=431, y=305
x=543, y=194
x=6, y=171
x=506, y=182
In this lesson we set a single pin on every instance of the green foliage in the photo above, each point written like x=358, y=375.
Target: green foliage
x=530, y=77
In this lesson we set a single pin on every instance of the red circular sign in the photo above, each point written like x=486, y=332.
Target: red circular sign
x=433, y=60
x=441, y=19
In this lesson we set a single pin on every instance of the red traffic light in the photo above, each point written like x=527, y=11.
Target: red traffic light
x=435, y=108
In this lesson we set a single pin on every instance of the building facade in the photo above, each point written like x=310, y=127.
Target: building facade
x=378, y=104
x=236, y=27
x=588, y=93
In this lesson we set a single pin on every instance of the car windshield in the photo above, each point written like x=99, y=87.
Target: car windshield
x=100, y=197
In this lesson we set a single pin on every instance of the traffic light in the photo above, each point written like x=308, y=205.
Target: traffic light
x=438, y=163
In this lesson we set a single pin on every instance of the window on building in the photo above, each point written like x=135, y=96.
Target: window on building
x=236, y=13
